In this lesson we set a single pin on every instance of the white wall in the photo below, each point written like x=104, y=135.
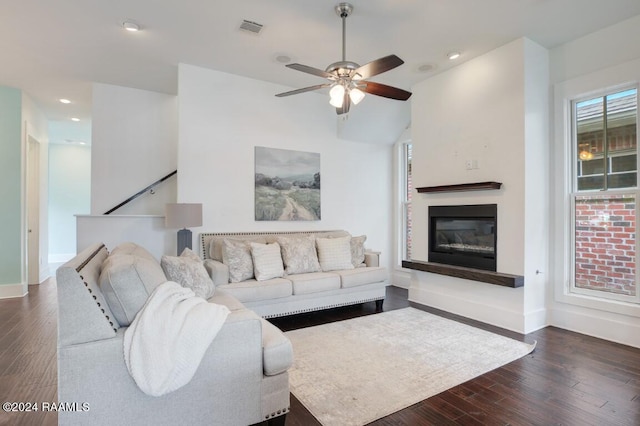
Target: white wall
x=599, y=50
x=147, y=231
x=537, y=183
x=134, y=143
x=69, y=195
x=479, y=111
x=601, y=60
x=224, y=116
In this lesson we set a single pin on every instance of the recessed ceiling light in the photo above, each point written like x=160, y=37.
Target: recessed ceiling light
x=283, y=59
x=130, y=26
x=424, y=68
x=453, y=55
x=75, y=119
x=65, y=101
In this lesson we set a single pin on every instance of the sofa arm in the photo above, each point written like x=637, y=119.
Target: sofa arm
x=226, y=388
x=218, y=271
x=372, y=258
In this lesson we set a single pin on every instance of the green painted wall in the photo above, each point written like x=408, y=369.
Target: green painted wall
x=10, y=190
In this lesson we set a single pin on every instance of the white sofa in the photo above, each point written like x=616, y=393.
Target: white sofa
x=242, y=378
x=363, y=280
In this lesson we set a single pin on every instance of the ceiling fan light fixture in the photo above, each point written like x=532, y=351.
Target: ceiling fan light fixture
x=336, y=95
x=356, y=95
x=349, y=78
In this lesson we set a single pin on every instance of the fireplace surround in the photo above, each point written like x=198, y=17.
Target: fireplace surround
x=464, y=235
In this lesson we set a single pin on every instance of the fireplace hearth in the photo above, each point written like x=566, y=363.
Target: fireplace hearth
x=464, y=235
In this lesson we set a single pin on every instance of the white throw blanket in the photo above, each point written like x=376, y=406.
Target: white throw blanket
x=166, y=341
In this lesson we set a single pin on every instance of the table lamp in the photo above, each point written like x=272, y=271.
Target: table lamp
x=183, y=216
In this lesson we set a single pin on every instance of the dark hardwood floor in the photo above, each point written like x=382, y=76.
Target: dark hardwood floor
x=570, y=379
x=28, y=364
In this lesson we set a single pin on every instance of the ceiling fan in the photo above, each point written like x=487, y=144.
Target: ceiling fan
x=347, y=79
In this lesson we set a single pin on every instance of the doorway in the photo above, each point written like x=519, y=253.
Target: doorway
x=33, y=211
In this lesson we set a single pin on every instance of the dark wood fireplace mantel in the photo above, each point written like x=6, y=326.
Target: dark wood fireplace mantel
x=477, y=186
x=497, y=278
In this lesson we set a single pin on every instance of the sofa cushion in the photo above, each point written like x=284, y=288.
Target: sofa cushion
x=299, y=254
x=357, y=250
x=277, y=351
x=188, y=271
x=132, y=249
x=126, y=282
x=267, y=261
x=334, y=253
x=314, y=282
x=225, y=298
x=362, y=276
x=252, y=290
x=236, y=254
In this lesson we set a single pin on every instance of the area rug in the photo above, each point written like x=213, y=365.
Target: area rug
x=355, y=371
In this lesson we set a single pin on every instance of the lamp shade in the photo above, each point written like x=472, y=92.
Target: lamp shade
x=183, y=215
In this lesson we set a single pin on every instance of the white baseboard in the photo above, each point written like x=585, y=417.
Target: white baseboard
x=535, y=320
x=626, y=333
x=8, y=291
x=401, y=279
x=493, y=315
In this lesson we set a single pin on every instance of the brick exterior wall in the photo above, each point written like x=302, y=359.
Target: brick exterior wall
x=606, y=243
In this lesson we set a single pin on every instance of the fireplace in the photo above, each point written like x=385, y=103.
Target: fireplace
x=464, y=235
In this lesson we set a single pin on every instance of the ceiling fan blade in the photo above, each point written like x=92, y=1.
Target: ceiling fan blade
x=377, y=67
x=384, y=90
x=304, y=89
x=311, y=70
x=346, y=103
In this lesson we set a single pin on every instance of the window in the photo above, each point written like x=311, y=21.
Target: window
x=407, y=189
x=605, y=191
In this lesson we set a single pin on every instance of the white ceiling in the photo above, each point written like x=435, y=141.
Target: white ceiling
x=55, y=49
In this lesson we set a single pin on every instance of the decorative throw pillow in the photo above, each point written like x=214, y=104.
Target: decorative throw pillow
x=132, y=249
x=334, y=253
x=217, y=242
x=357, y=250
x=188, y=271
x=126, y=282
x=236, y=254
x=267, y=261
x=299, y=254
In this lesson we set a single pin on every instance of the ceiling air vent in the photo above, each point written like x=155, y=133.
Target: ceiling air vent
x=251, y=27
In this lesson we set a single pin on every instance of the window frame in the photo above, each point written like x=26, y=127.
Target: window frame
x=405, y=201
x=574, y=168
x=564, y=303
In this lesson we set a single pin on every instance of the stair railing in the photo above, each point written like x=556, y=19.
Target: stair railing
x=139, y=193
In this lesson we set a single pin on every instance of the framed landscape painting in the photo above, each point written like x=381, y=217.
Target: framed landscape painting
x=287, y=184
